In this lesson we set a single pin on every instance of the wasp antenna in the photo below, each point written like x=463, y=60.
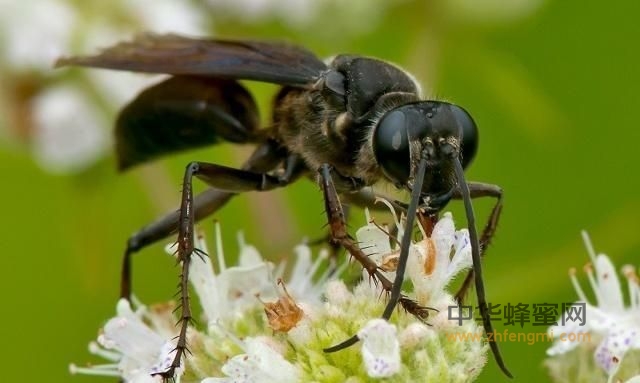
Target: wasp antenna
x=406, y=239
x=477, y=266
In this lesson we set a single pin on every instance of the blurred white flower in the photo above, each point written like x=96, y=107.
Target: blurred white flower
x=69, y=133
x=168, y=16
x=613, y=327
x=70, y=121
x=35, y=33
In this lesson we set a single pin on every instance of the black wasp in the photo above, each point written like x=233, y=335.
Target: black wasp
x=349, y=123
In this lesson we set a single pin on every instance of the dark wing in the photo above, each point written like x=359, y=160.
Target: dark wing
x=272, y=62
x=184, y=112
x=202, y=104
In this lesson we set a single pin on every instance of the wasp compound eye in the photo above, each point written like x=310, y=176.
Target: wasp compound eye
x=469, y=133
x=391, y=146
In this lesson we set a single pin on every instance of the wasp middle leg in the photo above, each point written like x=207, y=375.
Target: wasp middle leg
x=265, y=158
x=221, y=178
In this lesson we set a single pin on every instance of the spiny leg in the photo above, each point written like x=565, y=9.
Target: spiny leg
x=478, y=190
x=338, y=228
x=264, y=158
x=396, y=286
x=219, y=177
x=339, y=235
x=365, y=198
x=204, y=204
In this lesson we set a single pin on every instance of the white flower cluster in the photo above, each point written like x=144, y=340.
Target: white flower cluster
x=260, y=332
x=613, y=328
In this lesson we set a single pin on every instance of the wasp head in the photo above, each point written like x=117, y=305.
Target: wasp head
x=433, y=131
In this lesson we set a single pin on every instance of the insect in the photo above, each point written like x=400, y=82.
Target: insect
x=348, y=123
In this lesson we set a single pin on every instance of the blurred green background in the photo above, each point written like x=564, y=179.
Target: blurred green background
x=552, y=86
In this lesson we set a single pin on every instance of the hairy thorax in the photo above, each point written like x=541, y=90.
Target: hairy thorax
x=321, y=133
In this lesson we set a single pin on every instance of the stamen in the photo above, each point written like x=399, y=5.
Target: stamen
x=588, y=268
x=201, y=243
x=95, y=349
x=324, y=253
x=300, y=272
x=220, y=253
x=634, y=285
x=322, y=257
x=422, y=231
x=390, y=206
x=576, y=284
x=99, y=370
x=589, y=245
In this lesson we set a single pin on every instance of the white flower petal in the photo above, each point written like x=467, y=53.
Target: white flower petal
x=249, y=255
x=380, y=348
x=373, y=242
x=462, y=259
x=132, y=338
x=444, y=237
x=242, y=284
x=303, y=283
x=563, y=344
x=260, y=363
x=300, y=275
x=608, y=285
x=204, y=282
x=612, y=349
x=136, y=350
x=418, y=254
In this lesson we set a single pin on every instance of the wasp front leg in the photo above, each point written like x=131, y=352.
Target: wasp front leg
x=338, y=228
